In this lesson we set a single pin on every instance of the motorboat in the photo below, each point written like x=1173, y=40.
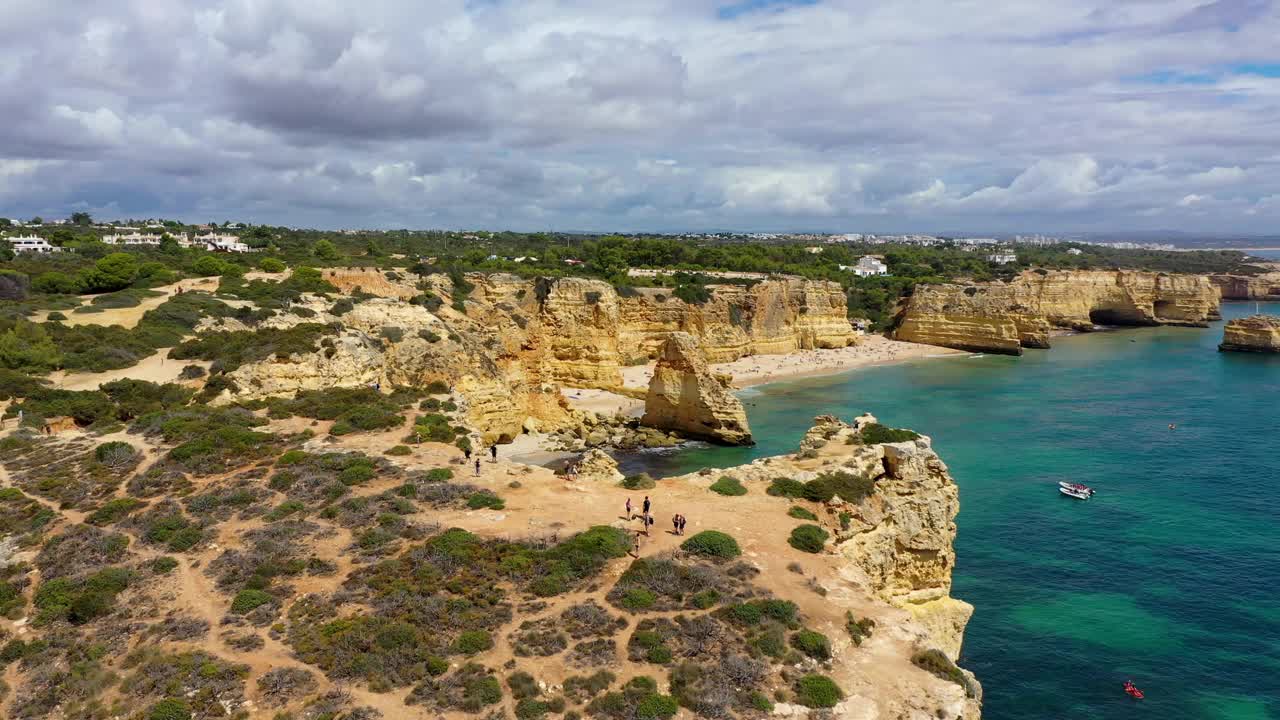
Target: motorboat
x=1133, y=690
x=1075, y=490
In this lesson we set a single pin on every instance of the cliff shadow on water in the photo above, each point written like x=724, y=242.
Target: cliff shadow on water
x=1164, y=577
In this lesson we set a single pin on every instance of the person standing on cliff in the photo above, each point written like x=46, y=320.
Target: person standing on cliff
x=675, y=524
x=493, y=451
x=646, y=506
x=477, y=467
x=466, y=452
x=683, y=520
x=629, y=515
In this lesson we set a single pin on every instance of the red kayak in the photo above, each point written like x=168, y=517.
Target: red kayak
x=1133, y=690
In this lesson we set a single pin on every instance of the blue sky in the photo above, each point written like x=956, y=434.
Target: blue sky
x=844, y=115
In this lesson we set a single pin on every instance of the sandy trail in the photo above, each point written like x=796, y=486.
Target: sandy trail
x=156, y=368
x=129, y=317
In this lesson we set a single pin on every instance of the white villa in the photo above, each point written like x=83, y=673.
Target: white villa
x=868, y=266
x=221, y=243
x=31, y=243
x=1002, y=258
x=133, y=238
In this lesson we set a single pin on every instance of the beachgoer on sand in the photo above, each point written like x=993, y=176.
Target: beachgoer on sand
x=646, y=505
x=682, y=522
x=493, y=450
x=477, y=467
x=628, y=508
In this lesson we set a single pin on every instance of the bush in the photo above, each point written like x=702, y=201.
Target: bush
x=858, y=630
x=248, y=600
x=875, y=434
x=817, y=691
x=485, y=499
x=728, y=486
x=392, y=334
x=786, y=487
x=643, y=481
x=113, y=511
x=472, y=642
x=937, y=662
x=170, y=709
x=712, y=543
x=638, y=599
x=800, y=513
x=399, y=450
x=809, y=538
x=163, y=564
x=850, y=487
x=272, y=265
x=812, y=643
x=656, y=706
x=437, y=387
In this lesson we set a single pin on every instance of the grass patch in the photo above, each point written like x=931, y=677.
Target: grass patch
x=818, y=691
x=875, y=434
x=800, y=513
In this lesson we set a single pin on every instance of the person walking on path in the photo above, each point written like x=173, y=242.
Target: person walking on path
x=635, y=546
x=477, y=467
x=646, y=506
x=466, y=452
x=629, y=515
x=682, y=522
x=493, y=450
x=675, y=524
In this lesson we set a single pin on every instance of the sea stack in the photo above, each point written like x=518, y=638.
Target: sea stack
x=1257, y=333
x=685, y=397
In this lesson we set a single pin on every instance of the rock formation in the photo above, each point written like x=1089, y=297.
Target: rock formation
x=685, y=397
x=1265, y=286
x=1257, y=333
x=597, y=466
x=1007, y=317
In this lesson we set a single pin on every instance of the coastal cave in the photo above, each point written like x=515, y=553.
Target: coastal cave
x=1119, y=316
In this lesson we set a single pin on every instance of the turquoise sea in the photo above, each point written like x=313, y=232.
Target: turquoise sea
x=1169, y=576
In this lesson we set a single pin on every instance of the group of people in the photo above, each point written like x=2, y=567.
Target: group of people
x=493, y=452
x=647, y=521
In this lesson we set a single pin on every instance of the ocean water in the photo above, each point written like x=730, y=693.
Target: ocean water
x=1170, y=575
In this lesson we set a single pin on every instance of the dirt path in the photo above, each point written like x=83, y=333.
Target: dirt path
x=156, y=368
x=130, y=316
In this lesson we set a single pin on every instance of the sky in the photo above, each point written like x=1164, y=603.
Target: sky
x=680, y=115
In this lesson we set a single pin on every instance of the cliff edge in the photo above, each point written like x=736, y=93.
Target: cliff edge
x=685, y=397
x=1257, y=333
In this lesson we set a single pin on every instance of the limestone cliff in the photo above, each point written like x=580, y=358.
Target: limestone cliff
x=508, y=343
x=685, y=397
x=1265, y=286
x=769, y=317
x=1007, y=317
x=1257, y=333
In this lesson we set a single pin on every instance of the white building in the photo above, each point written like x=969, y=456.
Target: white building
x=31, y=243
x=133, y=238
x=221, y=243
x=1074, y=251
x=1002, y=258
x=868, y=266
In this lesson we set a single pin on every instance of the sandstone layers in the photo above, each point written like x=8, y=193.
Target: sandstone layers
x=685, y=397
x=1265, y=286
x=1007, y=317
x=516, y=341
x=1257, y=333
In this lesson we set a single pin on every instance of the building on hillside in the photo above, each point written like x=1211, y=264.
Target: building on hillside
x=1074, y=251
x=868, y=266
x=31, y=243
x=1002, y=258
x=133, y=238
x=525, y=258
x=813, y=250
x=215, y=242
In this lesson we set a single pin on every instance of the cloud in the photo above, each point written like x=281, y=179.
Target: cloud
x=835, y=115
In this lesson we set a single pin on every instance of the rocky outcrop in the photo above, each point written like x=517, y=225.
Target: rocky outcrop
x=1007, y=317
x=685, y=397
x=1265, y=286
x=1257, y=333
x=769, y=317
x=397, y=284
x=596, y=466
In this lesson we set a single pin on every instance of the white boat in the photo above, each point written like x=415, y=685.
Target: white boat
x=1075, y=490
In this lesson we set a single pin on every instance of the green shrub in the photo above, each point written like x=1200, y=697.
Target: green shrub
x=248, y=600
x=752, y=612
x=437, y=666
x=786, y=487
x=655, y=706
x=439, y=475
x=472, y=642
x=858, y=630
x=437, y=387
x=485, y=499
x=712, y=543
x=817, y=691
x=638, y=599
x=809, y=538
x=643, y=481
x=399, y=450
x=522, y=685
x=850, y=487
x=705, y=599
x=812, y=643
x=170, y=709
x=728, y=486
x=800, y=513
x=937, y=662
x=392, y=334
x=113, y=511
x=272, y=265
x=875, y=434
x=163, y=564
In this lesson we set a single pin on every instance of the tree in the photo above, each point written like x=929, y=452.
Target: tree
x=209, y=266
x=37, y=220
x=325, y=250
x=169, y=244
x=26, y=346
x=56, y=283
x=5, y=222
x=81, y=218
x=113, y=272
